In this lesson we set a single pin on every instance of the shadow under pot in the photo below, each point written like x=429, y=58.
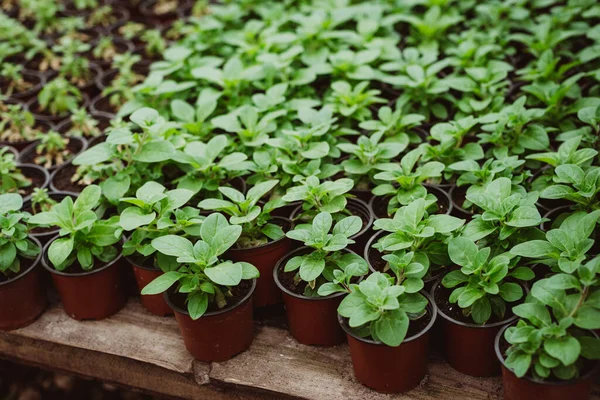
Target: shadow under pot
x=89, y=295
x=378, y=264
x=44, y=234
x=61, y=179
x=265, y=257
x=379, y=204
x=23, y=297
x=219, y=334
x=469, y=348
x=311, y=320
x=527, y=388
x=357, y=208
x=145, y=273
x=35, y=82
x=76, y=145
x=389, y=369
x=39, y=179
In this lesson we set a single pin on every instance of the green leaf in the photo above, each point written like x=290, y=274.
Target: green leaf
x=225, y=238
x=87, y=199
x=566, y=349
x=348, y=226
x=444, y=223
x=312, y=267
x=454, y=278
x=533, y=249
x=391, y=327
x=133, y=217
x=162, y=283
x=322, y=224
x=155, y=151
x=175, y=246
x=197, y=304
x=524, y=216
x=519, y=362
x=227, y=273
x=462, y=251
x=60, y=250
x=536, y=313
x=481, y=310
x=249, y=271
x=8, y=253
x=510, y=292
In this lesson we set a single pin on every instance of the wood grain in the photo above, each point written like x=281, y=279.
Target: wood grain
x=136, y=349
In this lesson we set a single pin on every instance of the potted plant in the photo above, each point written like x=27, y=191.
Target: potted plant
x=314, y=278
x=388, y=326
x=552, y=350
x=19, y=84
x=262, y=242
x=51, y=150
x=41, y=201
x=85, y=258
x=21, y=288
x=152, y=213
x=412, y=229
x=57, y=97
x=472, y=303
x=213, y=297
x=332, y=197
x=20, y=178
x=17, y=126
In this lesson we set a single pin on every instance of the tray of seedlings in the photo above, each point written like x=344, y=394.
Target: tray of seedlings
x=405, y=193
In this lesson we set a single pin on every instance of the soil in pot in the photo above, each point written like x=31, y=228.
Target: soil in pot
x=220, y=333
x=75, y=146
x=392, y=369
x=527, y=388
x=33, y=82
x=265, y=257
x=311, y=320
x=23, y=296
x=90, y=295
x=60, y=181
x=357, y=208
x=469, y=347
x=145, y=272
x=458, y=195
x=44, y=234
x=39, y=179
x=378, y=264
x=44, y=115
x=42, y=126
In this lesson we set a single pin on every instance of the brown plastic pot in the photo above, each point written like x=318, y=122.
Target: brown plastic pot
x=23, y=297
x=92, y=295
x=379, y=205
x=144, y=274
x=469, y=347
x=44, y=235
x=60, y=180
x=527, y=388
x=311, y=320
x=391, y=369
x=360, y=209
x=219, y=335
x=265, y=258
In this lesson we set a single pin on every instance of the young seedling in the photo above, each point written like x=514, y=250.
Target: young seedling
x=202, y=275
x=41, y=201
x=52, y=149
x=12, y=179
x=59, y=96
x=328, y=196
x=16, y=124
x=575, y=184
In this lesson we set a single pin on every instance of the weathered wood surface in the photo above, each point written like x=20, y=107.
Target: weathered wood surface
x=136, y=349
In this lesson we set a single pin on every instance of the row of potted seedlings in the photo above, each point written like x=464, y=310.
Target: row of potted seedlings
x=392, y=173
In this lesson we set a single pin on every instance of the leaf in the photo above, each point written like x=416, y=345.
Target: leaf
x=312, y=267
x=569, y=173
x=133, y=217
x=175, y=246
x=391, y=327
x=462, y=251
x=454, y=278
x=481, y=310
x=227, y=273
x=524, y=216
x=533, y=249
x=249, y=271
x=155, y=151
x=322, y=224
x=87, y=199
x=225, y=238
x=197, y=304
x=510, y=292
x=536, y=313
x=60, y=250
x=348, y=226
x=211, y=225
x=162, y=283
x=519, y=362
x=566, y=349
x=444, y=223
x=8, y=253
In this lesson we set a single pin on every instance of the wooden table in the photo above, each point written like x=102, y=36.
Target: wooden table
x=136, y=349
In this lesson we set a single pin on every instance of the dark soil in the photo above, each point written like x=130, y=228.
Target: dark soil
x=238, y=294
x=442, y=295
x=37, y=180
x=287, y=280
x=25, y=263
x=62, y=180
x=73, y=147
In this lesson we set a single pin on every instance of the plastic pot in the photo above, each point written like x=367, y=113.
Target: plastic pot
x=311, y=320
x=36, y=79
x=379, y=205
x=60, y=180
x=265, y=258
x=377, y=264
x=144, y=274
x=38, y=175
x=23, y=297
x=469, y=347
x=219, y=335
x=43, y=115
x=360, y=209
x=391, y=369
x=91, y=295
x=527, y=388
x=19, y=146
x=76, y=146
x=45, y=234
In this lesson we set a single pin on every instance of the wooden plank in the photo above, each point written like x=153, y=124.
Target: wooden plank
x=136, y=349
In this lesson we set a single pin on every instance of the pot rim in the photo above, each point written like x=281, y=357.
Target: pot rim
x=56, y=171
x=54, y=271
x=31, y=148
x=32, y=90
x=439, y=190
x=565, y=208
x=469, y=324
x=39, y=169
x=212, y=313
x=500, y=357
x=268, y=243
x=34, y=265
x=296, y=295
x=454, y=204
x=360, y=203
x=434, y=314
